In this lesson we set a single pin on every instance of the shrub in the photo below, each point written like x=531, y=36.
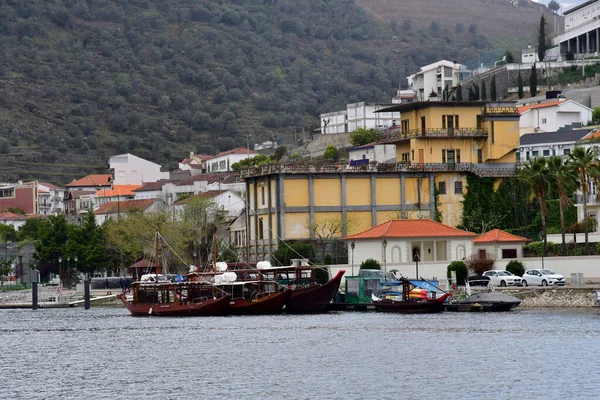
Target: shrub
x=479, y=264
x=537, y=248
x=370, y=263
x=328, y=260
x=460, y=268
x=515, y=267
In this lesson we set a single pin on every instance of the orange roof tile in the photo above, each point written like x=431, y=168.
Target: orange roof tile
x=552, y=103
x=237, y=150
x=10, y=216
x=410, y=228
x=497, y=235
x=113, y=207
x=118, y=190
x=92, y=180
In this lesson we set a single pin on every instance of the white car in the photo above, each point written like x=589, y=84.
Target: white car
x=542, y=277
x=499, y=277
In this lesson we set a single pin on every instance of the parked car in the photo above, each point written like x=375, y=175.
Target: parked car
x=503, y=278
x=542, y=277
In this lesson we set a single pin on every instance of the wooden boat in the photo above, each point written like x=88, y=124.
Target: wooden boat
x=307, y=296
x=409, y=304
x=254, y=297
x=171, y=299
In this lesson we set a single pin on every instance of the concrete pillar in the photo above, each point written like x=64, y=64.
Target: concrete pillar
x=373, y=201
x=587, y=42
x=577, y=48
x=280, y=208
x=403, y=196
x=344, y=207
x=311, y=205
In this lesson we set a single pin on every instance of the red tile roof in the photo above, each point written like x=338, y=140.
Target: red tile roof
x=118, y=190
x=410, y=228
x=113, y=207
x=497, y=235
x=92, y=180
x=10, y=216
x=237, y=150
x=49, y=185
x=552, y=103
x=205, y=195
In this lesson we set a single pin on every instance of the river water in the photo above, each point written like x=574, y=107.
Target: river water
x=103, y=353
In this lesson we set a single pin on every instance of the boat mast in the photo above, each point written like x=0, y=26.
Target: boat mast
x=156, y=254
x=214, y=255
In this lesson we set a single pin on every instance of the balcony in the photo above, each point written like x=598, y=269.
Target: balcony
x=482, y=170
x=500, y=111
x=396, y=135
x=591, y=199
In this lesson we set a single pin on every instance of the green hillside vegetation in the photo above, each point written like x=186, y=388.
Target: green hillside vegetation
x=83, y=80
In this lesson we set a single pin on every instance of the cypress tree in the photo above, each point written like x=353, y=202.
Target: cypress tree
x=533, y=81
x=459, y=93
x=493, y=89
x=542, y=39
x=483, y=91
x=520, y=86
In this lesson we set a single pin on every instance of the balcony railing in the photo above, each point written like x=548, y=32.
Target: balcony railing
x=482, y=170
x=500, y=111
x=591, y=199
x=395, y=135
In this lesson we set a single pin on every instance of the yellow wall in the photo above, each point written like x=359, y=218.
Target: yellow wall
x=297, y=225
x=295, y=192
x=450, y=204
x=433, y=116
x=359, y=221
x=506, y=139
x=358, y=191
x=412, y=190
x=324, y=219
x=387, y=191
x=328, y=192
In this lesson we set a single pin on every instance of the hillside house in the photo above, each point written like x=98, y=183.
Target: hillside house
x=553, y=115
x=128, y=169
x=120, y=209
x=223, y=161
x=582, y=30
x=358, y=115
x=433, y=78
x=499, y=245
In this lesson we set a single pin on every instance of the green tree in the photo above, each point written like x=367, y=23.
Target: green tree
x=5, y=268
x=461, y=271
x=535, y=175
x=257, y=160
x=52, y=242
x=510, y=58
x=562, y=182
x=520, y=92
x=542, y=40
x=8, y=233
x=596, y=115
x=478, y=212
x=459, y=96
x=362, y=136
x=280, y=152
x=533, y=81
x=583, y=163
x=493, y=89
x=370, y=263
x=331, y=153
x=554, y=6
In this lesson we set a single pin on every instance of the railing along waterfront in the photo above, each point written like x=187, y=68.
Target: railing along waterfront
x=482, y=170
x=394, y=135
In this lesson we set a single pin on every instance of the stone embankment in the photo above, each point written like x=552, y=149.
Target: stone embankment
x=556, y=297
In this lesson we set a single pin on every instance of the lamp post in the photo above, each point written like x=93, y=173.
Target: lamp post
x=384, y=255
x=542, y=240
x=352, y=245
x=60, y=270
x=416, y=258
x=75, y=259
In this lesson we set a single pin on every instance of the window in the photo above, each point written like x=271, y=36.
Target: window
x=535, y=153
x=543, y=120
x=405, y=126
x=404, y=157
x=443, y=156
x=458, y=187
x=479, y=122
x=442, y=188
x=223, y=164
x=413, y=155
x=10, y=192
x=262, y=195
x=509, y=253
x=458, y=155
x=261, y=228
x=546, y=153
x=566, y=152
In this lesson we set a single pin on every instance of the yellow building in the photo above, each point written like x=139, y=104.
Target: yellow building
x=437, y=143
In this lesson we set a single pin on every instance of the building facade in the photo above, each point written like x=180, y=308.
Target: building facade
x=550, y=116
x=433, y=78
x=582, y=30
x=358, y=115
x=128, y=169
x=223, y=161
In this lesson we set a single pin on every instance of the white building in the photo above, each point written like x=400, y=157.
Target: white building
x=550, y=116
x=582, y=29
x=15, y=220
x=433, y=78
x=399, y=244
x=226, y=203
x=529, y=55
x=120, y=209
x=382, y=153
x=128, y=169
x=499, y=245
x=171, y=190
x=358, y=115
x=51, y=199
x=547, y=144
x=223, y=161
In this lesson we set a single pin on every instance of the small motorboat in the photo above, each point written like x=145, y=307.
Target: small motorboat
x=485, y=302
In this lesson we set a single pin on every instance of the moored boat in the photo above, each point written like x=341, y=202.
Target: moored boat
x=170, y=299
x=409, y=303
x=254, y=297
x=485, y=301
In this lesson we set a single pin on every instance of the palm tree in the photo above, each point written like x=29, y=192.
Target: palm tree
x=562, y=182
x=584, y=164
x=535, y=175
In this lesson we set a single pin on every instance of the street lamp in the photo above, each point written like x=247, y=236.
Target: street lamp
x=60, y=270
x=541, y=236
x=384, y=256
x=416, y=258
x=352, y=245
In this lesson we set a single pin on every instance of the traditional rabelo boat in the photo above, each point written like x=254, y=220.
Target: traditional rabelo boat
x=307, y=296
x=171, y=299
x=412, y=300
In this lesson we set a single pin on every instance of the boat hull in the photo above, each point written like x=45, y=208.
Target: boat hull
x=210, y=307
x=313, y=299
x=269, y=304
x=411, y=306
x=490, y=302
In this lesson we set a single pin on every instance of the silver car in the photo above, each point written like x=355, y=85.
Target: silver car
x=542, y=277
x=499, y=277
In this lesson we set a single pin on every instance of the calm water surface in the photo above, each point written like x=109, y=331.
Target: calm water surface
x=104, y=353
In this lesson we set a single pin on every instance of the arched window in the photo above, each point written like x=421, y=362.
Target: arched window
x=416, y=253
x=460, y=252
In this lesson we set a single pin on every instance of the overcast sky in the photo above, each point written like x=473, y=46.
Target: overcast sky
x=565, y=4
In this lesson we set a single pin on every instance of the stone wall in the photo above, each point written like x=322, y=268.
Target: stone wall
x=506, y=78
